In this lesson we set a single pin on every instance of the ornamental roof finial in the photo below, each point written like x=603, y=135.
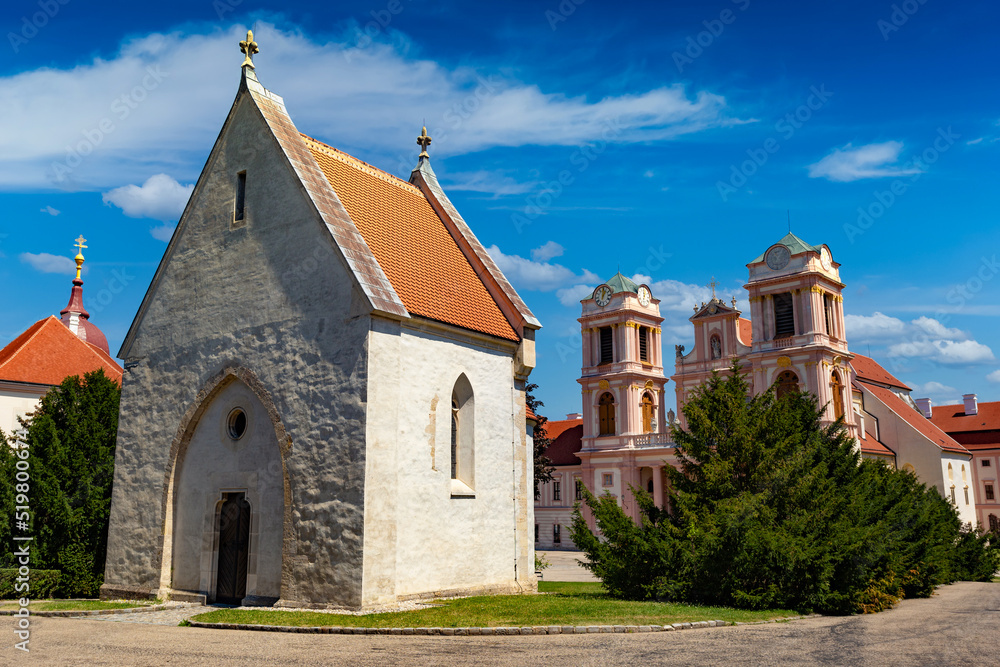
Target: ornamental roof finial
x=248, y=47
x=423, y=141
x=79, y=254
x=713, y=285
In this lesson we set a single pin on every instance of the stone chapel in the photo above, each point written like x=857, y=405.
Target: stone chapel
x=323, y=400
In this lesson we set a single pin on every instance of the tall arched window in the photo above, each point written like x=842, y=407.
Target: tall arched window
x=606, y=412
x=648, y=413
x=463, y=434
x=787, y=383
x=837, y=388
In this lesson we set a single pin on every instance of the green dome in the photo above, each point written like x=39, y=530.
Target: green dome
x=794, y=244
x=620, y=283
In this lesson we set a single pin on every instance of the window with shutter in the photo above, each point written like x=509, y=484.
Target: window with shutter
x=606, y=412
x=643, y=343
x=607, y=346
x=784, y=316
x=828, y=314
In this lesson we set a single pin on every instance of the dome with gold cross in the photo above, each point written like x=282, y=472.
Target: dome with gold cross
x=74, y=315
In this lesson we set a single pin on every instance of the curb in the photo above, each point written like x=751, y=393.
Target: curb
x=92, y=612
x=474, y=632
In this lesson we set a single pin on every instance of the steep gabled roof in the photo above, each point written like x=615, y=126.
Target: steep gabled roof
x=868, y=370
x=916, y=420
x=421, y=259
x=48, y=352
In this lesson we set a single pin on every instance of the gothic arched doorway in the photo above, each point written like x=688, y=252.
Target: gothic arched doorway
x=234, y=549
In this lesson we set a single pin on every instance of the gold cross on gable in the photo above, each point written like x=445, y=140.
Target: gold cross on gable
x=79, y=243
x=248, y=47
x=713, y=285
x=423, y=141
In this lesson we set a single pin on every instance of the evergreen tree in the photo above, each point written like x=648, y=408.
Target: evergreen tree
x=543, y=465
x=770, y=508
x=71, y=439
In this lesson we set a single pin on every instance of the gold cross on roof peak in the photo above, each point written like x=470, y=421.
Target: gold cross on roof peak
x=423, y=141
x=79, y=255
x=248, y=47
x=80, y=243
x=713, y=285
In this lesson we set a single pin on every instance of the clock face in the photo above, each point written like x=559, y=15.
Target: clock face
x=644, y=295
x=777, y=257
x=826, y=259
x=602, y=295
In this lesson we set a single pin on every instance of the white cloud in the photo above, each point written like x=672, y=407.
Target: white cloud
x=51, y=211
x=160, y=198
x=861, y=328
x=572, y=296
x=163, y=232
x=546, y=252
x=538, y=276
x=490, y=182
x=944, y=351
x=158, y=103
x=935, y=328
x=973, y=142
x=854, y=163
x=49, y=263
x=994, y=376
x=940, y=394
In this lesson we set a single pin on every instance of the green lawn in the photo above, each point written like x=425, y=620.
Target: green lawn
x=75, y=605
x=568, y=604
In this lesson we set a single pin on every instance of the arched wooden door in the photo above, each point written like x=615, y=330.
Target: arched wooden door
x=234, y=547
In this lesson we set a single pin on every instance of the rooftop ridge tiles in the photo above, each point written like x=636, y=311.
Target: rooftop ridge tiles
x=372, y=170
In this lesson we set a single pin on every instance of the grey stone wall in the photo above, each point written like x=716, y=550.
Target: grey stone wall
x=269, y=296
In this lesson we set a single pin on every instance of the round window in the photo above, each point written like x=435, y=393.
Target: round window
x=236, y=424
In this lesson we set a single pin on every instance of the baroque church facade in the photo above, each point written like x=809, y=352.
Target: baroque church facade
x=795, y=339
x=323, y=402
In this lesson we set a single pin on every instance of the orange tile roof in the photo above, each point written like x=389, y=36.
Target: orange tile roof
x=745, y=331
x=567, y=439
x=920, y=423
x=952, y=418
x=869, y=445
x=424, y=264
x=48, y=352
x=869, y=369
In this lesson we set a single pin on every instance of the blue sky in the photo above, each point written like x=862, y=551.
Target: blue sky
x=682, y=132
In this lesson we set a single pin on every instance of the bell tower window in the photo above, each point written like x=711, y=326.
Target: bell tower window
x=784, y=315
x=606, y=414
x=607, y=345
x=828, y=313
x=241, y=197
x=643, y=343
x=787, y=383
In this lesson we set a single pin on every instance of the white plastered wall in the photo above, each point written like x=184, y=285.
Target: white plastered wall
x=418, y=537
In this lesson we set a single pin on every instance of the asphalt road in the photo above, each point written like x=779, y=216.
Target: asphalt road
x=960, y=625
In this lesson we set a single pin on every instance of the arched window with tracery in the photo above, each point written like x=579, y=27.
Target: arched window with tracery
x=787, y=383
x=837, y=388
x=648, y=413
x=606, y=414
x=463, y=432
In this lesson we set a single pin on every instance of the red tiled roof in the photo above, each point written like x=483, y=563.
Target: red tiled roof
x=952, y=418
x=421, y=259
x=567, y=439
x=48, y=352
x=920, y=423
x=869, y=445
x=868, y=369
x=529, y=413
x=745, y=331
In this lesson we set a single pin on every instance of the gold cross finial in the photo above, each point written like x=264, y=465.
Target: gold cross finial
x=79, y=254
x=423, y=141
x=713, y=285
x=248, y=47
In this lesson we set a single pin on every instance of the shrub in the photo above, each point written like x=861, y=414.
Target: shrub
x=43, y=584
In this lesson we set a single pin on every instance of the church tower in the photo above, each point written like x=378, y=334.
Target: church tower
x=797, y=312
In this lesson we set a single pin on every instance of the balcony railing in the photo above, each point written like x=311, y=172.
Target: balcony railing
x=652, y=440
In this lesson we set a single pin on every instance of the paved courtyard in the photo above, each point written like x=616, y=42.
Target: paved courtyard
x=959, y=625
x=565, y=566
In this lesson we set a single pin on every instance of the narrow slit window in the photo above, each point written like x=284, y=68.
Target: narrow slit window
x=643, y=343
x=241, y=196
x=828, y=314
